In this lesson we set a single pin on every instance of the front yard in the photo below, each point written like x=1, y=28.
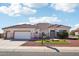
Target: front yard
x=53, y=41
x=56, y=43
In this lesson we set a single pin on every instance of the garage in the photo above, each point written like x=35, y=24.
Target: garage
x=22, y=35
x=8, y=35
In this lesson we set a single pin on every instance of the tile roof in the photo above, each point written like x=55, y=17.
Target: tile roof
x=56, y=26
x=35, y=26
x=22, y=26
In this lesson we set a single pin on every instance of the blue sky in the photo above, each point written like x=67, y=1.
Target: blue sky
x=19, y=13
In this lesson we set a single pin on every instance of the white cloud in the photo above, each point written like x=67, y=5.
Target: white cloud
x=15, y=9
x=66, y=7
x=28, y=11
x=22, y=23
x=35, y=5
x=3, y=9
x=34, y=20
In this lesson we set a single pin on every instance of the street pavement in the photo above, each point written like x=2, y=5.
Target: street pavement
x=39, y=54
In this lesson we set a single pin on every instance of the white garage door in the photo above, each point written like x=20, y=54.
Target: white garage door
x=22, y=35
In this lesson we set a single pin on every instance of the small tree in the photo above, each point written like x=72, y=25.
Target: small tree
x=43, y=37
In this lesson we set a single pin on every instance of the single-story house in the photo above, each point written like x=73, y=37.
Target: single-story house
x=76, y=31
x=28, y=31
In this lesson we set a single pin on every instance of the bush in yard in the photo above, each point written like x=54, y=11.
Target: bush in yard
x=63, y=34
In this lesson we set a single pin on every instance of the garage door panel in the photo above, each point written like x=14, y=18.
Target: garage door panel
x=22, y=35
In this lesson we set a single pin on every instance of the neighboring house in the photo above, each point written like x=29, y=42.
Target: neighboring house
x=76, y=31
x=28, y=31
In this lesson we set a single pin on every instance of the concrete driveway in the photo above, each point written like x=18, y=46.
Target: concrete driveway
x=9, y=43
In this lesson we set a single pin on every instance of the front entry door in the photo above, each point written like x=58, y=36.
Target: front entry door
x=52, y=33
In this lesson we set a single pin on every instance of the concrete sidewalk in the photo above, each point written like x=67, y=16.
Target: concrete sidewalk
x=26, y=49
x=68, y=49
x=39, y=49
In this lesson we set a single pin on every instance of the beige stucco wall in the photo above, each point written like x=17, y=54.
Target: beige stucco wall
x=43, y=27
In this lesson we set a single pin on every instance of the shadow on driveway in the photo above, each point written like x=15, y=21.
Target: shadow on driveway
x=52, y=48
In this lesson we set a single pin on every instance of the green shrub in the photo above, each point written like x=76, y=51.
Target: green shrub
x=63, y=34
